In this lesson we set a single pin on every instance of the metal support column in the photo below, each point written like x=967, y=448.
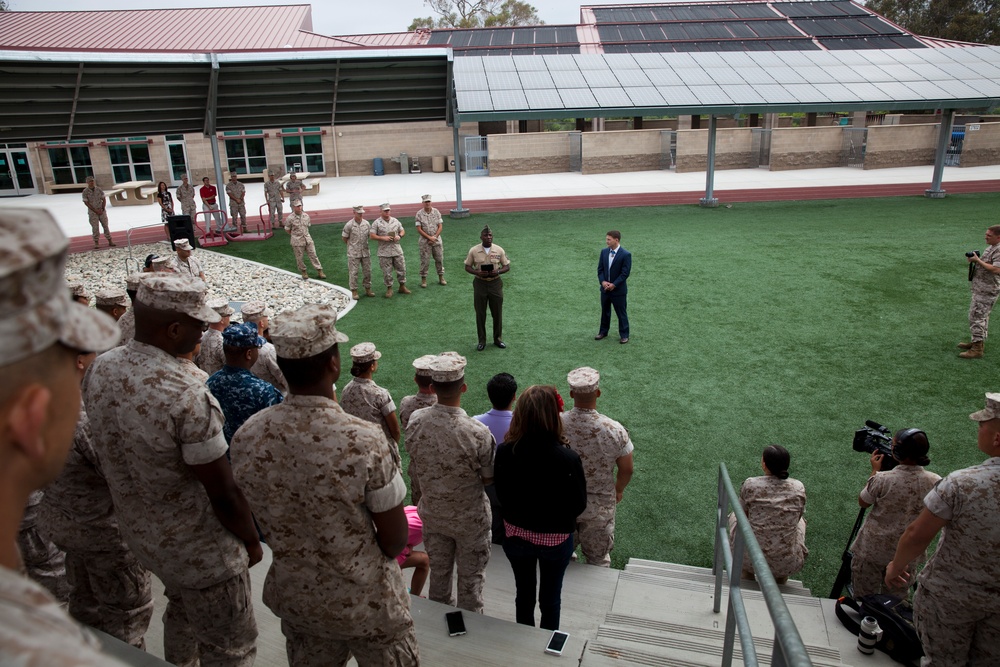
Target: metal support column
x=210, y=116
x=458, y=211
x=944, y=136
x=709, y=200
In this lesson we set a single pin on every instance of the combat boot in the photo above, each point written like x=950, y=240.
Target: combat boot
x=403, y=290
x=369, y=292
x=423, y=281
x=305, y=276
x=354, y=294
x=321, y=276
x=966, y=346
x=441, y=280
x=974, y=352
x=388, y=292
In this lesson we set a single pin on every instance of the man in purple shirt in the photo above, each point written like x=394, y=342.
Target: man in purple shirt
x=501, y=389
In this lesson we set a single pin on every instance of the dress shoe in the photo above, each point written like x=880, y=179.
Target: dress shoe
x=600, y=336
x=499, y=343
x=481, y=347
x=623, y=341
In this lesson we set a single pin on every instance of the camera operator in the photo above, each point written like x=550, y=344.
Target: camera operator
x=896, y=498
x=955, y=608
x=985, y=284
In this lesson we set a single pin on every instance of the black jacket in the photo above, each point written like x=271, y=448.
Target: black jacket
x=540, y=485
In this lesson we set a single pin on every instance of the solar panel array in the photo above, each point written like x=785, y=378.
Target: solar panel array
x=723, y=82
x=526, y=41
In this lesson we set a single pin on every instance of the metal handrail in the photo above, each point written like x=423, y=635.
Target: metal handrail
x=788, y=648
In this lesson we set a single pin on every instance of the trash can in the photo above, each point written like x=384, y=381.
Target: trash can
x=378, y=167
x=437, y=164
x=451, y=163
x=404, y=163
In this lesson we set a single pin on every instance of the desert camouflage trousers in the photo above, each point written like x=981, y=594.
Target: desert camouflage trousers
x=426, y=252
x=595, y=532
x=868, y=577
x=276, y=208
x=96, y=222
x=953, y=632
x=239, y=210
x=979, y=315
x=387, y=264
x=111, y=591
x=311, y=651
x=308, y=249
x=471, y=554
x=210, y=626
x=352, y=272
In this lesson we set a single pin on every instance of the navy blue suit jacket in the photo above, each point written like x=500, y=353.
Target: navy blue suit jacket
x=620, y=268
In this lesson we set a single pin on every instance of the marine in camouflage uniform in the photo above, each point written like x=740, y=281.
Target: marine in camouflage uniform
x=240, y=393
x=410, y=404
x=274, y=195
x=896, y=498
x=429, y=224
x=297, y=225
x=41, y=328
x=335, y=590
x=774, y=507
x=185, y=195
x=387, y=230
x=127, y=321
x=985, y=285
x=453, y=455
x=355, y=236
x=237, y=193
x=110, y=589
x=266, y=366
x=43, y=561
x=602, y=444
x=955, y=608
x=162, y=450
x=97, y=211
x=294, y=189
x=210, y=357
x=366, y=400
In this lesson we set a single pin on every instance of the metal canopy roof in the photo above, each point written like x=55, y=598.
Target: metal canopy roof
x=67, y=95
x=580, y=86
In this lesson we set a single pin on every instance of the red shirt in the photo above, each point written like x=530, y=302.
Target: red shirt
x=207, y=193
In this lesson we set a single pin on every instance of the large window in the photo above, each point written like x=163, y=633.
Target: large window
x=70, y=163
x=130, y=159
x=245, y=151
x=303, y=149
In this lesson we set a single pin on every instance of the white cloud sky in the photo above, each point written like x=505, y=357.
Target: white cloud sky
x=333, y=17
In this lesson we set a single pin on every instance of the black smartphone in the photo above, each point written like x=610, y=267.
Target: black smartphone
x=556, y=643
x=456, y=624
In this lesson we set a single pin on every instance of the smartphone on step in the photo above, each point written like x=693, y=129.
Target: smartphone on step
x=456, y=624
x=556, y=643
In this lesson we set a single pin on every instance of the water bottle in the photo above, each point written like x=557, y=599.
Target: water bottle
x=868, y=635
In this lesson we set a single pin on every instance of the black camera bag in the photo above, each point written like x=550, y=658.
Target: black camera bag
x=899, y=637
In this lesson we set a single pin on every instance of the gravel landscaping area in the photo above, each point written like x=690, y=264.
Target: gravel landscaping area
x=231, y=278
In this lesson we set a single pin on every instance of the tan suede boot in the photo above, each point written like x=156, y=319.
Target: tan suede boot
x=354, y=294
x=441, y=280
x=423, y=281
x=966, y=346
x=322, y=276
x=305, y=276
x=403, y=290
x=974, y=352
x=388, y=292
x=369, y=292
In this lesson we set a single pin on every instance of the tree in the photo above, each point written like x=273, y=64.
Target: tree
x=477, y=14
x=962, y=20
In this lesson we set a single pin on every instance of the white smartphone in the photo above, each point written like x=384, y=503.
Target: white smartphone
x=556, y=643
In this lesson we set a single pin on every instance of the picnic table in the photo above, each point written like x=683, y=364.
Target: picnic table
x=308, y=187
x=130, y=193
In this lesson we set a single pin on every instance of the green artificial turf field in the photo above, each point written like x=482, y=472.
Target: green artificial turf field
x=786, y=322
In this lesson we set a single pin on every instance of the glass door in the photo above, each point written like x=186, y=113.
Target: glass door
x=178, y=158
x=15, y=173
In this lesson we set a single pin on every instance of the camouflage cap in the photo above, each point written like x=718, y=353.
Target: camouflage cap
x=306, y=332
x=177, y=293
x=385, y=207
x=296, y=201
x=991, y=411
x=221, y=306
x=160, y=263
x=359, y=209
x=183, y=244
x=132, y=282
x=448, y=367
x=255, y=311
x=78, y=290
x=584, y=380
x=425, y=198
x=423, y=364
x=242, y=335
x=36, y=310
x=362, y=353
x=112, y=296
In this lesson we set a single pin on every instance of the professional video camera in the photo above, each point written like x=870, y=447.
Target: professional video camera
x=875, y=438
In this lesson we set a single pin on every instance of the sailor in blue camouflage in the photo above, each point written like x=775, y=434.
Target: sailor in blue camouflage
x=241, y=393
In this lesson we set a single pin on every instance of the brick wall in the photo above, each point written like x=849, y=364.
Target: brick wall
x=806, y=148
x=627, y=150
x=732, y=149
x=901, y=145
x=528, y=153
x=982, y=146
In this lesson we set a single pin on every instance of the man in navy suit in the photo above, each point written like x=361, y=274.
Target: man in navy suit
x=612, y=272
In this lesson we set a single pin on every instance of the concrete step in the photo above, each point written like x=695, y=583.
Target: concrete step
x=676, y=601
x=706, y=577
x=674, y=567
x=691, y=643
